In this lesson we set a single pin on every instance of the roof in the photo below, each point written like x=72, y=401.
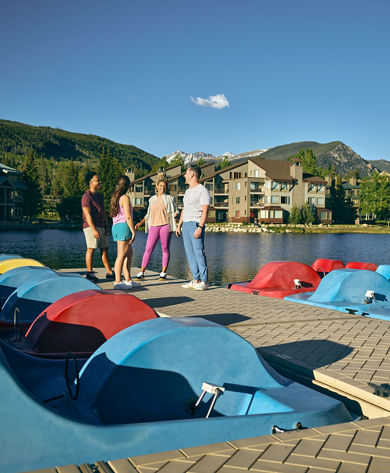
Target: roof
x=140, y=179
x=275, y=169
x=8, y=169
x=315, y=179
x=220, y=171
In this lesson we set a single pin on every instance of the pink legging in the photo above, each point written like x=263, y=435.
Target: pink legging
x=155, y=233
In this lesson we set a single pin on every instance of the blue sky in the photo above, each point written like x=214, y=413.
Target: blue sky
x=213, y=76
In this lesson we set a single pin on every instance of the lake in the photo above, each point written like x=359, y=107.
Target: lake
x=231, y=256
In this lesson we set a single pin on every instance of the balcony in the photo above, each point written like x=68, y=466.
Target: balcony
x=221, y=204
x=220, y=190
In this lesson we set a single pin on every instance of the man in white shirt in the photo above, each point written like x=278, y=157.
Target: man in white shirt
x=192, y=222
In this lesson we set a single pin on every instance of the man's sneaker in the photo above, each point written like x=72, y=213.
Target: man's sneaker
x=130, y=284
x=201, y=286
x=189, y=285
x=92, y=277
x=140, y=276
x=163, y=276
x=110, y=276
x=121, y=286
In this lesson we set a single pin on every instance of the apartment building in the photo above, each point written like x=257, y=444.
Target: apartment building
x=257, y=188
x=11, y=194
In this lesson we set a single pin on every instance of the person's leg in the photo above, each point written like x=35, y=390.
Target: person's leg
x=188, y=229
x=103, y=245
x=200, y=256
x=153, y=237
x=89, y=259
x=165, y=239
x=106, y=263
x=121, y=247
x=127, y=267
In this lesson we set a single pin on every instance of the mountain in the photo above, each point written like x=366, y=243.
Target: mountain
x=335, y=154
x=381, y=164
x=16, y=138
x=189, y=158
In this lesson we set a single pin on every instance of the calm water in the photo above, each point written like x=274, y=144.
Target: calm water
x=231, y=256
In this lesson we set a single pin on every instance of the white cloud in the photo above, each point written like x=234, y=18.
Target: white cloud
x=214, y=101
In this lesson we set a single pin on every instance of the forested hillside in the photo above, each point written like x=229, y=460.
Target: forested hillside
x=16, y=139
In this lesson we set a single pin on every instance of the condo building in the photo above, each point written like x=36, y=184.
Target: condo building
x=256, y=188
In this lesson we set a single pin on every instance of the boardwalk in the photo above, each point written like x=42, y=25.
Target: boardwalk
x=341, y=353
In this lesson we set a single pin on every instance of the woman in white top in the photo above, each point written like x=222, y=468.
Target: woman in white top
x=160, y=223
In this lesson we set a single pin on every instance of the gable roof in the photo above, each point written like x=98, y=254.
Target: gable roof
x=275, y=169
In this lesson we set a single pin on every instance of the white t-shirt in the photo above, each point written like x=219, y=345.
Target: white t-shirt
x=194, y=198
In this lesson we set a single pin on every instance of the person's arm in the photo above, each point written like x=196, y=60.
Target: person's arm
x=89, y=219
x=140, y=223
x=178, y=228
x=125, y=202
x=203, y=218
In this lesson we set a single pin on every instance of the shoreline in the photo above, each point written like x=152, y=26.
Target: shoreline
x=223, y=228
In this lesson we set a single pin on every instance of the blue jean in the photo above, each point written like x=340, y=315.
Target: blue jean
x=194, y=249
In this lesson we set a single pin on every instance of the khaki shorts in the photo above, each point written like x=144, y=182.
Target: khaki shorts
x=92, y=242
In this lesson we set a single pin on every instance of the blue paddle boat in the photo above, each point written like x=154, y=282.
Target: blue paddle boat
x=159, y=385
x=34, y=295
x=354, y=291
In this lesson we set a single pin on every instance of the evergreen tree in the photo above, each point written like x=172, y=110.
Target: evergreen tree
x=108, y=170
x=307, y=159
x=224, y=163
x=308, y=213
x=32, y=196
x=295, y=215
x=341, y=206
x=178, y=161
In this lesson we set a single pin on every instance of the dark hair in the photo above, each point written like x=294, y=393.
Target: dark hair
x=196, y=169
x=88, y=176
x=122, y=186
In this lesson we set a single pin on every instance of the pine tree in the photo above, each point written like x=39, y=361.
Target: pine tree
x=307, y=213
x=375, y=195
x=32, y=196
x=108, y=170
x=295, y=215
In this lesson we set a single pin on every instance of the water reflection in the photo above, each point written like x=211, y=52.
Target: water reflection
x=231, y=256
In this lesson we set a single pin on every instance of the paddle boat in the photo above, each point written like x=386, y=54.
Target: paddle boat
x=384, y=270
x=4, y=256
x=11, y=263
x=279, y=279
x=33, y=296
x=162, y=384
x=13, y=278
x=361, y=265
x=324, y=266
x=80, y=323
x=353, y=291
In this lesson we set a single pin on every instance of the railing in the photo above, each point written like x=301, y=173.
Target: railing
x=220, y=190
x=221, y=204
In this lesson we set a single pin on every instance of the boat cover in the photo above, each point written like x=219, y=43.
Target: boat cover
x=12, y=263
x=360, y=265
x=324, y=266
x=145, y=380
x=277, y=279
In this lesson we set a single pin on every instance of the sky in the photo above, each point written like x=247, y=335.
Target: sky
x=201, y=75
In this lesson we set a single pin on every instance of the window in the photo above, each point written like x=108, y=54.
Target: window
x=138, y=201
x=320, y=201
x=278, y=214
x=284, y=186
x=321, y=188
x=324, y=216
x=209, y=186
x=312, y=188
x=139, y=188
x=263, y=213
x=275, y=185
x=237, y=200
x=267, y=199
x=238, y=186
x=311, y=200
x=285, y=199
x=257, y=173
x=237, y=175
x=275, y=199
x=172, y=187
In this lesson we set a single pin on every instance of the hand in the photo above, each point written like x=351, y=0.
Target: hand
x=197, y=233
x=132, y=238
x=178, y=231
x=95, y=234
x=137, y=225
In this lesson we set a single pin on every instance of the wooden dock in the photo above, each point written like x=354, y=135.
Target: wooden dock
x=345, y=355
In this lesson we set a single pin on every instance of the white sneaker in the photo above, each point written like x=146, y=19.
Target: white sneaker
x=189, y=285
x=130, y=284
x=201, y=286
x=121, y=286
